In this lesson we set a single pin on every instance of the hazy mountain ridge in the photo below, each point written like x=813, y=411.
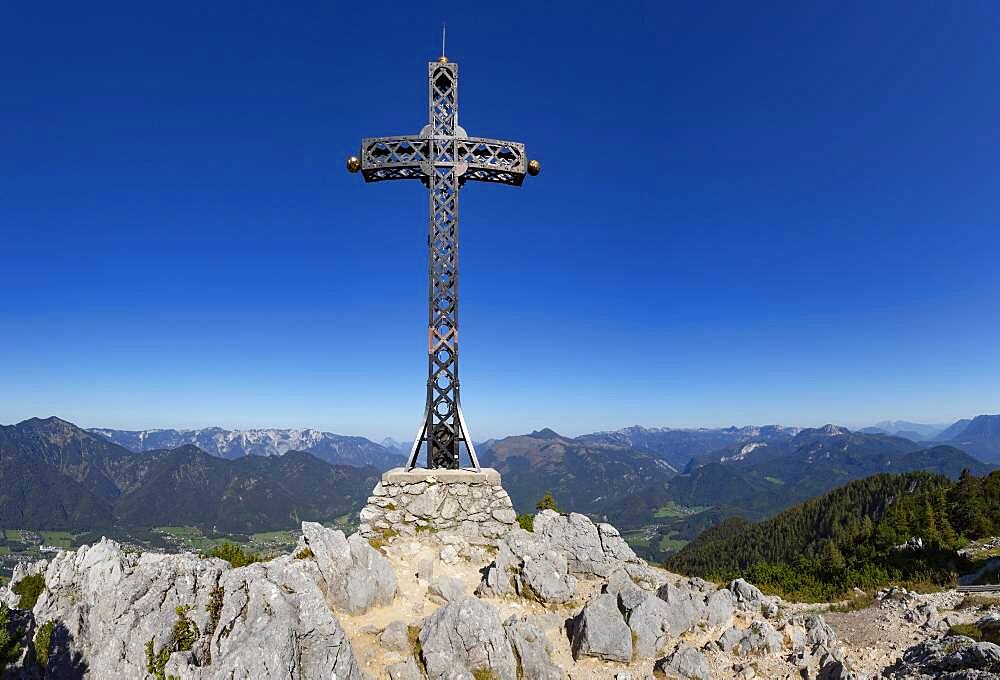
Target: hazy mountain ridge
x=903, y=428
x=335, y=449
x=979, y=437
x=54, y=475
x=678, y=446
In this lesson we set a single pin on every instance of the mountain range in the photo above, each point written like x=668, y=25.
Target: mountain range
x=624, y=476
x=586, y=476
x=336, y=449
x=678, y=446
x=54, y=475
x=979, y=437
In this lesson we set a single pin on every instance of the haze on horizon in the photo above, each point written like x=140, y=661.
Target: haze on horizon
x=746, y=215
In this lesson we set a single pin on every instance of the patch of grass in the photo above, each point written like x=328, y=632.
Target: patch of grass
x=673, y=510
x=427, y=530
x=853, y=603
x=637, y=539
x=526, y=521
x=305, y=554
x=969, y=630
x=378, y=542
x=668, y=544
x=413, y=635
x=987, y=633
x=978, y=602
x=484, y=674
x=29, y=588
x=61, y=539
x=235, y=554
x=43, y=643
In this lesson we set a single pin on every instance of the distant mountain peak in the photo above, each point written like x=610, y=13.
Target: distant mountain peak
x=546, y=433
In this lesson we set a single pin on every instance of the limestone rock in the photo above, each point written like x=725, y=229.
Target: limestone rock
x=425, y=569
x=525, y=566
x=649, y=618
x=21, y=570
x=599, y=630
x=466, y=635
x=590, y=549
x=750, y=598
x=758, y=639
x=357, y=577
x=720, y=606
x=405, y=670
x=951, y=658
x=686, y=607
x=447, y=588
x=532, y=648
x=395, y=637
x=686, y=663
x=273, y=620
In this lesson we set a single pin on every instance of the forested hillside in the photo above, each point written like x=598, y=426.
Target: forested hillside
x=851, y=537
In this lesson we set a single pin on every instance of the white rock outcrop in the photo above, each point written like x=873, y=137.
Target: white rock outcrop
x=116, y=612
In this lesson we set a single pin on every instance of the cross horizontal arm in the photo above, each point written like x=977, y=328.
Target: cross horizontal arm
x=474, y=158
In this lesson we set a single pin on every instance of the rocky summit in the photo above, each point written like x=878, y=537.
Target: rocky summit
x=566, y=601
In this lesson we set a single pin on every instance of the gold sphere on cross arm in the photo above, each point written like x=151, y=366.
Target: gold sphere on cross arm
x=534, y=167
x=353, y=164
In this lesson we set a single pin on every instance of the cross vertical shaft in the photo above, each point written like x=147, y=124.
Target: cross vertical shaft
x=444, y=158
x=444, y=429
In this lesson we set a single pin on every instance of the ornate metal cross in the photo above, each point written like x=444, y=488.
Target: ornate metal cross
x=444, y=158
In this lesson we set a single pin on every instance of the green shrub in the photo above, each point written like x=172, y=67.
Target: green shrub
x=43, y=643
x=214, y=607
x=527, y=521
x=185, y=632
x=305, y=554
x=234, y=554
x=547, y=502
x=182, y=638
x=10, y=641
x=29, y=588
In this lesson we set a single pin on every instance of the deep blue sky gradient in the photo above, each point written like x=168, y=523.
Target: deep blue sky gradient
x=780, y=212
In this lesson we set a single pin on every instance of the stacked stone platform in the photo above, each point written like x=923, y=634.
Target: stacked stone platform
x=468, y=502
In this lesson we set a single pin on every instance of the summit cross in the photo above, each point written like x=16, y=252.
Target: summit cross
x=443, y=157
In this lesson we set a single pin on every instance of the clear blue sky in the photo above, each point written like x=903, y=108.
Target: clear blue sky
x=747, y=213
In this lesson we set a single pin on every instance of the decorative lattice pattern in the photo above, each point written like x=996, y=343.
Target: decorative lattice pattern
x=443, y=429
x=443, y=157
